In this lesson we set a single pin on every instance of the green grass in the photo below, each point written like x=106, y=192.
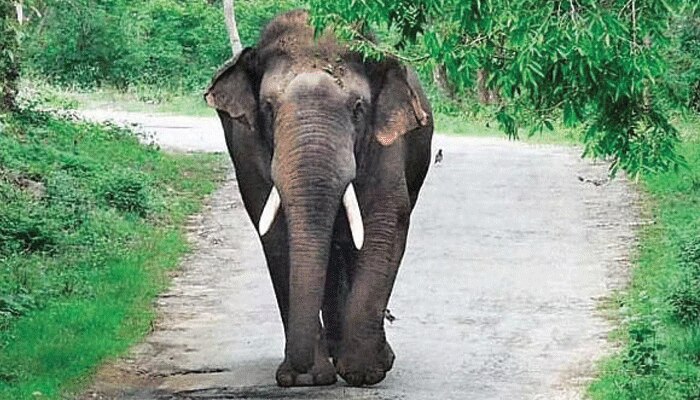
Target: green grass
x=90, y=224
x=481, y=126
x=109, y=99
x=659, y=313
x=139, y=99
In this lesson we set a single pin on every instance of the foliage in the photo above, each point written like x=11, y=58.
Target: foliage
x=128, y=192
x=594, y=63
x=642, y=356
x=685, y=298
x=89, y=224
x=684, y=78
x=9, y=56
x=660, y=358
x=170, y=45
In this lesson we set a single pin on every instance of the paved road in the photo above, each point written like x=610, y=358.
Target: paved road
x=509, y=256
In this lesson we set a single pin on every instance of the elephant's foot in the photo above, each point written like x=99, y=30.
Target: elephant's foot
x=362, y=368
x=321, y=373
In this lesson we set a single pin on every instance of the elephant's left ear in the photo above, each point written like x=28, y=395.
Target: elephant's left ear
x=400, y=106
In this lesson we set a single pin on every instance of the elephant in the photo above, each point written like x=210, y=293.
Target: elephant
x=330, y=151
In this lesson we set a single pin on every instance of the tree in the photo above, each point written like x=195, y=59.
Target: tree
x=9, y=55
x=230, y=16
x=593, y=64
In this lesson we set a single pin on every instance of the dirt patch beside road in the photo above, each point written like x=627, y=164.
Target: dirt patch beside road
x=508, y=257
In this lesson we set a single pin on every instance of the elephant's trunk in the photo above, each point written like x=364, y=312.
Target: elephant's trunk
x=312, y=166
x=310, y=220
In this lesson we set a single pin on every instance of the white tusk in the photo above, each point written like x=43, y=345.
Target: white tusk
x=269, y=212
x=352, y=208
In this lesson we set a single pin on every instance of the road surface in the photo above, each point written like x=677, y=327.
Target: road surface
x=511, y=251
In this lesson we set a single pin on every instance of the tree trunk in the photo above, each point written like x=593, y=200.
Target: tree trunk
x=486, y=96
x=9, y=56
x=20, y=12
x=230, y=15
x=443, y=84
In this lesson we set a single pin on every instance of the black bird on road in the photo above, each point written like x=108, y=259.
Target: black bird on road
x=389, y=317
x=438, y=157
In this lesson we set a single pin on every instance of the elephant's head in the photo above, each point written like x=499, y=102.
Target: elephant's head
x=315, y=111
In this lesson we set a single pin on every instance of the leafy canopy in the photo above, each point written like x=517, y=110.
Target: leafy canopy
x=596, y=64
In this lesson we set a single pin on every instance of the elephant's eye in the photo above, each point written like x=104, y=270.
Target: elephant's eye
x=358, y=108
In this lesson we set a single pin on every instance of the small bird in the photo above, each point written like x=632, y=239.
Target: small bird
x=596, y=182
x=389, y=317
x=438, y=157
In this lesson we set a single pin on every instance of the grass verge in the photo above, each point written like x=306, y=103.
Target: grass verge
x=470, y=126
x=140, y=99
x=660, y=310
x=90, y=224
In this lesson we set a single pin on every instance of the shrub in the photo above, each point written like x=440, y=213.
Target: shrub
x=642, y=355
x=690, y=255
x=685, y=301
x=23, y=226
x=65, y=194
x=128, y=191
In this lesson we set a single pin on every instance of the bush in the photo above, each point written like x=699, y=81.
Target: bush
x=128, y=191
x=690, y=255
x=25, y=227
x=64, y=193
x=643, y=352
x=685, y=299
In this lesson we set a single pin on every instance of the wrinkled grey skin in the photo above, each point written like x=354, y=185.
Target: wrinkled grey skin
x=311, y=118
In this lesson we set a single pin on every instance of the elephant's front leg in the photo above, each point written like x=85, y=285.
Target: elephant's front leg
x=277, y=254
x=365, y=353
x=321, y=373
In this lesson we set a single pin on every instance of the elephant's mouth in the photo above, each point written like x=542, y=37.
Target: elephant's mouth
x=350, y=203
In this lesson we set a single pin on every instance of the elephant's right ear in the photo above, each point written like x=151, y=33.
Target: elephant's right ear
x=233, y=89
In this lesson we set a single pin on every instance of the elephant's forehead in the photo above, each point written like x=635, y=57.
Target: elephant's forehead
x=276, y=80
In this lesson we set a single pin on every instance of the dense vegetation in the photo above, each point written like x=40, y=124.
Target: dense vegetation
x=89, y=224
x=684, y=54
x=661, y=310
x=171, y=45
x=599, y=65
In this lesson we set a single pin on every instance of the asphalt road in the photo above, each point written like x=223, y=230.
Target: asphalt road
x=512, y=249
